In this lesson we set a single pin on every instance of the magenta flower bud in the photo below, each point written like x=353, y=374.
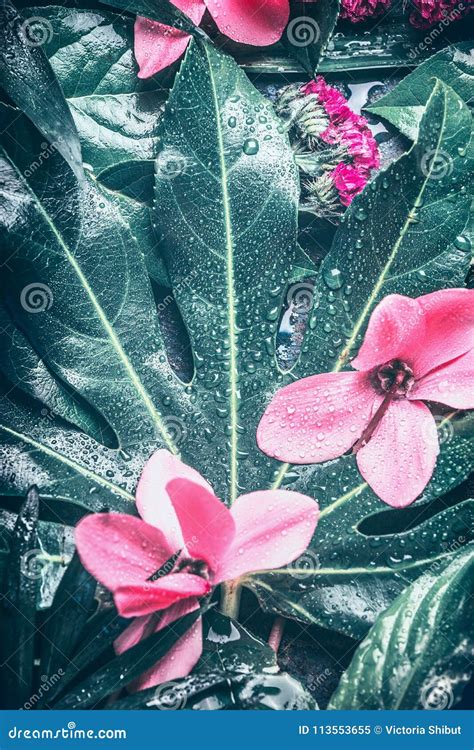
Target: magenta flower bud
x=427, y=13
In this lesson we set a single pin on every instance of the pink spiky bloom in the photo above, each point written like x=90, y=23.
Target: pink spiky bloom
x=348, y=181
x=430, y=12
x=361, y=10
x=328, y=133
x=415, y=350
x=246, y=21
x=135, y=558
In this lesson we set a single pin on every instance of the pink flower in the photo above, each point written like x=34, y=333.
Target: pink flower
x=361, y=10
x=247, y=21
x=329, y=133
x=415, y=350
x=348, y=182
x=429, y=12
x=187, y=543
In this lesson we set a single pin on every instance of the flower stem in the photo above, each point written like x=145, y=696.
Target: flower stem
x=276, y=633
x=230, y=600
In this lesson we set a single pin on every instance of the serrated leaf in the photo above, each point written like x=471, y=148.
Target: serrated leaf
x=423, y=645
x=405, y=104
x=309, y=30
x=30, y=82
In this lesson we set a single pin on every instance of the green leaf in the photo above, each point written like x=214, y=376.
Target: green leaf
x=18, y=607
x=21, y=365
x=30, y=82
x=228, y=218
x=418, y=655
x=236, y=671
x=164, y=11
x=95, y=352
x=418, y=251
x=65, y=621
x=404, y=106
x=363, y=554
x=309, y=30
x=133, y=178
x=99, y=333
x=116, y=113
x=125, y=668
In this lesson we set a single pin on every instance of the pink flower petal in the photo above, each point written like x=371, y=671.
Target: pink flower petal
x=120, y=550
x=451, y=384
x=273, y=528
x=207, y=525
x=399, y=459
x=449, y=328
x=317, y=418
x=151, y=596
x=180, y=659
x=393, y=330
x=157, y=45
x=425, y=332
x=153, y=501
x=250, y=22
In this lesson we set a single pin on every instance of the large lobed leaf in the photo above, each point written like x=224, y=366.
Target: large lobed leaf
x=228, y=217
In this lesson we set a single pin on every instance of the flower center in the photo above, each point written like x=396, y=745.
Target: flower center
x=393, y=380
x=394, y=377
x=195, y=567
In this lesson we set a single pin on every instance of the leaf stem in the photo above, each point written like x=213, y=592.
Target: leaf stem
x=276, y=633
x=230, y=600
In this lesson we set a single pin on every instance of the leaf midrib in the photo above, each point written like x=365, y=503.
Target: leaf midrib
x=82, y=470
x=341, y=361
x=111, y=335
x=230, y=283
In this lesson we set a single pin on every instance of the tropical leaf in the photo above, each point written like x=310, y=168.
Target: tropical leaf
x=236, y=671
x=30, y=82
x=363, y=556
x=110, y=351
x=309, y=31
x=420, y=250
x=404, y=105
x=423, y=645
x=228, y=220
x=91, y=53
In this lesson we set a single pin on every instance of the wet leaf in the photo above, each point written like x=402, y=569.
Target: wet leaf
x=419, y=653
x=309, y=30
x=356, y=565
x=404, y=106
x=30, y=82
x=123, y=669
